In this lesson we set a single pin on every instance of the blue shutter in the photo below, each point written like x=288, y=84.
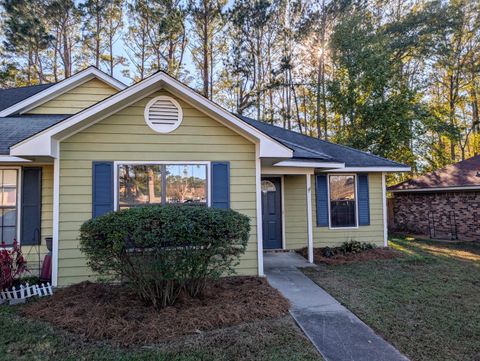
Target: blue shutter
x=220, y=174
x=102, y=188
x=321, y=191
x=31, y=206
x=363, y=201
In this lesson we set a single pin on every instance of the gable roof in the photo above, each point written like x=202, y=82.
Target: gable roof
x=464, y=174
x=39, y=136
x=53, y=90
x=305, y=147
x=11, y=96
x=45, y=142
x=17, y=128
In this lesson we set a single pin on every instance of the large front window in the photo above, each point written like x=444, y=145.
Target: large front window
x=342, y=201
x=142, y=184
x=8, y=206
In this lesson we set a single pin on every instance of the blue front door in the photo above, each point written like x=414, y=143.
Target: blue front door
x=272, y=213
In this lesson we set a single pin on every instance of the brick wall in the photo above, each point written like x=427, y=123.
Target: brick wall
x=435, y=214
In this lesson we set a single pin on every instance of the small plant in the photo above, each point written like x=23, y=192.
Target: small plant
x=346, y=248
x=328, y=252
x=355, y=247
x=12, y=264
x=161, y=251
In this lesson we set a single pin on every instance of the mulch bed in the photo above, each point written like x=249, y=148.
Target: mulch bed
x=367, y=255
x=112, y=313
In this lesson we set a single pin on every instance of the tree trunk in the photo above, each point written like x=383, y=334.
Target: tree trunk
x=205, y=53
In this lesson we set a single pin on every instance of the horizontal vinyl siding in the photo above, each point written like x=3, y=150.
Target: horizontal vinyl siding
x=295, y=199
x=125, y=136
x=323, y=236
x=77, y=99
x=296, y=216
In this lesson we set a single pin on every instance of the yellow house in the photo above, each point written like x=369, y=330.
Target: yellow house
x=90, y=145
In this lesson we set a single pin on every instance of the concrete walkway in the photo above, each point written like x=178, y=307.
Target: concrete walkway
x=335, y=331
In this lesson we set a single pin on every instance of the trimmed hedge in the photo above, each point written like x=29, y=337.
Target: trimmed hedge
x=161, y=251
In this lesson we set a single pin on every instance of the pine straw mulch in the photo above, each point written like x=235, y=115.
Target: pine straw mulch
x=103, y=312
x=338, y=259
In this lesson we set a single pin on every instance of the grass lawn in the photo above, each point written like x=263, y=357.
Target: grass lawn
x=278, y=339
x=426, y=303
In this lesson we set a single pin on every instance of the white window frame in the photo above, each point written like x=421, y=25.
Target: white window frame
x=330, y=202
x=19, y=203
x=139, y=162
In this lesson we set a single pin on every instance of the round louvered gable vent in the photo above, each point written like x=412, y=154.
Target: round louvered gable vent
x=163, y=114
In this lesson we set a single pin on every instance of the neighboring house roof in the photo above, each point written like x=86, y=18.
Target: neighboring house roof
x=17, y=128
x=305, y=147
x=11, y=96
x=461, y=175
x=53, y=90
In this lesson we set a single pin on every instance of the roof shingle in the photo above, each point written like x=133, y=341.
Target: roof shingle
x=12, y=96
x=14, y=129
x=305, y=147
x=462, y=174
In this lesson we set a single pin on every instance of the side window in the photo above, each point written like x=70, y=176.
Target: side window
x=342, y=201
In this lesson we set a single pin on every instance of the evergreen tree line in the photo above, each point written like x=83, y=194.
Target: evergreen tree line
x=399, y=78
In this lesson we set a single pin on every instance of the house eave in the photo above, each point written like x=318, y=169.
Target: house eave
x=386, y=169
x=435, y=189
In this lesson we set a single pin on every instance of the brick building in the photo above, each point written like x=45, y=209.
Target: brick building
x=441, y=204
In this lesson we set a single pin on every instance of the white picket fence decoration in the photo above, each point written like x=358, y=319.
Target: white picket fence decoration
x=17, y=295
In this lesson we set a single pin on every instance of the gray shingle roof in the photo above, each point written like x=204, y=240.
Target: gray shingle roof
x=305, y=147
x=14, y=129
x=11, y=96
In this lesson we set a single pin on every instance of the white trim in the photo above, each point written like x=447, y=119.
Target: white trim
x=40, y=144
x=330, y=202
x=309, y=217
x=258, y=199
x=437, y=189
x=282, y=189
x=167, y=162
x=60, y=88
x=310, y=164
x=269, y=170
x=18, y=204
x=371, y=169
x=56, y=207
x=385, y=216
x=10, y=159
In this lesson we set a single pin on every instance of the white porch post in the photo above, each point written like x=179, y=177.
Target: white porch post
x=385, y=218
x=309, y=218
x=258, y=186
x=56, y=199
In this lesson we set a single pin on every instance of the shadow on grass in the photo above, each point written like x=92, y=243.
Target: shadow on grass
x=430, y=250
x=425, y=303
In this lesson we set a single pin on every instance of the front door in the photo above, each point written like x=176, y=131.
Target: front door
x=272, y=213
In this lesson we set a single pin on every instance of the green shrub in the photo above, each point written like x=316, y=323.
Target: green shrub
x=161, y=251
x=355, y=247
x=328, y=252
x=346, y=248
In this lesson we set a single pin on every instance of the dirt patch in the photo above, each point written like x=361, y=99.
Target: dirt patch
x=103, y=312
x=367, y=255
